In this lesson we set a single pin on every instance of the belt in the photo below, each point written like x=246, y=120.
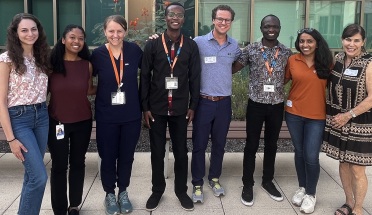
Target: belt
x=213, y=98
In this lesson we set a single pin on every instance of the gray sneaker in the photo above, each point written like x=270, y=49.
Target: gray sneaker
x=197, y=194
x=216, y=187
x=111, y=206
x=124, y=203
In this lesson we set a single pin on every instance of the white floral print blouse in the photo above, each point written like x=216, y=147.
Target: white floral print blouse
x=29, y=88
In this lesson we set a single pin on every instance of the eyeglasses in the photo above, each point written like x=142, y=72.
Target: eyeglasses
x=220, y=20
x=305, y=30
x=178, y=15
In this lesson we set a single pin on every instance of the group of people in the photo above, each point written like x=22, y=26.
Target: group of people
x=182, y=81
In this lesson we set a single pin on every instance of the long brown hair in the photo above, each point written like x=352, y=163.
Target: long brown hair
x=15, y=50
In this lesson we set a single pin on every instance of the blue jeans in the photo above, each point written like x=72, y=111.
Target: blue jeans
x=30, y=127
x=307, y=138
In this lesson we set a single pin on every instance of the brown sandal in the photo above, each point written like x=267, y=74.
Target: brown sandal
x=347, y=207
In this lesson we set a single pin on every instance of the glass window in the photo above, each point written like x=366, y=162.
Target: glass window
x=240, y=26
x=8, y=8
x=43, y=10
x=330, y=18
x=96, y=13
x=291, y=14
x=69, y=12
x=368, y=24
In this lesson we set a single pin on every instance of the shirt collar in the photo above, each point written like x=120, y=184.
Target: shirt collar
x=167, y=38
x=210, y=37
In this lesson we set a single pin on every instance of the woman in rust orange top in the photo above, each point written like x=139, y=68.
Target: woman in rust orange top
x=305, y=110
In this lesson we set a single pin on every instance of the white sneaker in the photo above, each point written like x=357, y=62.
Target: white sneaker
x=298, y=197
x=308, y=204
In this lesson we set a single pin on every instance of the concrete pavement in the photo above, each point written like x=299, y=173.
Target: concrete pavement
x=329, y=193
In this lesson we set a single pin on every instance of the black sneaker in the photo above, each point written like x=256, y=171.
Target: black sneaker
x=153, y=201
x=270, y=189
x=73, y=211
x=186, y=202
x=247, y=196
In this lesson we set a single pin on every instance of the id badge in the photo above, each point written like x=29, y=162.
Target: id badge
x=60, y=131
x=269, y=88
x=351, y=72
x=171, y=83
x=117, y=98
x=212, y=59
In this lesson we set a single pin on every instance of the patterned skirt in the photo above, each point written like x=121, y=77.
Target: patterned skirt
x=352, y=143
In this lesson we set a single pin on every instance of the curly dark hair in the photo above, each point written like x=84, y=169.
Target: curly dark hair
x=15, y=50
x=323, y=58
x=58, y=52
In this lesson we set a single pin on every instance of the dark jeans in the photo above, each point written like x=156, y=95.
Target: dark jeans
x=178, y=134
x=116, y=145
x=71, y=151
x=210, y=118
x=257, y=114
x=307, y=138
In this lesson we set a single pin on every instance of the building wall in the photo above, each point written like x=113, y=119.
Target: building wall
x=329, y=17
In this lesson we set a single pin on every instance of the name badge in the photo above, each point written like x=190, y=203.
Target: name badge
x=60, y=131
x=212, y=59
x=171, y=83
x=351, y=72
x=289, y=103
x=117, y=98
x=269, y=88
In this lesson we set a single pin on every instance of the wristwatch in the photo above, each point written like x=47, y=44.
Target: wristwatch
x=352, y=113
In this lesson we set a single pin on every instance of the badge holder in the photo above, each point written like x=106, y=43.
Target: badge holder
x=268, y=86
x=60, y=131
x=171, y=83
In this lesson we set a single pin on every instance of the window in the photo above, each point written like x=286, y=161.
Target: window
x=368, y=24
x=330, y=18
x=43, y=10
x=69, y=12
x=8, y=8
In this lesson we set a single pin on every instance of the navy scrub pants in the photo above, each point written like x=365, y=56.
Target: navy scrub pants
x=116, y=145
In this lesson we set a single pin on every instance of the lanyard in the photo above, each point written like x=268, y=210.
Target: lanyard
x=115, y=68
x=167, y=53
x=273, y=62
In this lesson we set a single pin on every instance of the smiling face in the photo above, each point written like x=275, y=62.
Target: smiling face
x=74, y=41
x=114, y=33
x=222, y=22
x=175, y=17
x=307, y=44
x=270, y=28
x=352, y=46
x=27, y=32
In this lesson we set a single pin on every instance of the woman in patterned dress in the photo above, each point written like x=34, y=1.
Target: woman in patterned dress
x=348, y=131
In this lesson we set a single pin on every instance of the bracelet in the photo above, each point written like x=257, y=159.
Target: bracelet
x=352, y=113
x=9, y=141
